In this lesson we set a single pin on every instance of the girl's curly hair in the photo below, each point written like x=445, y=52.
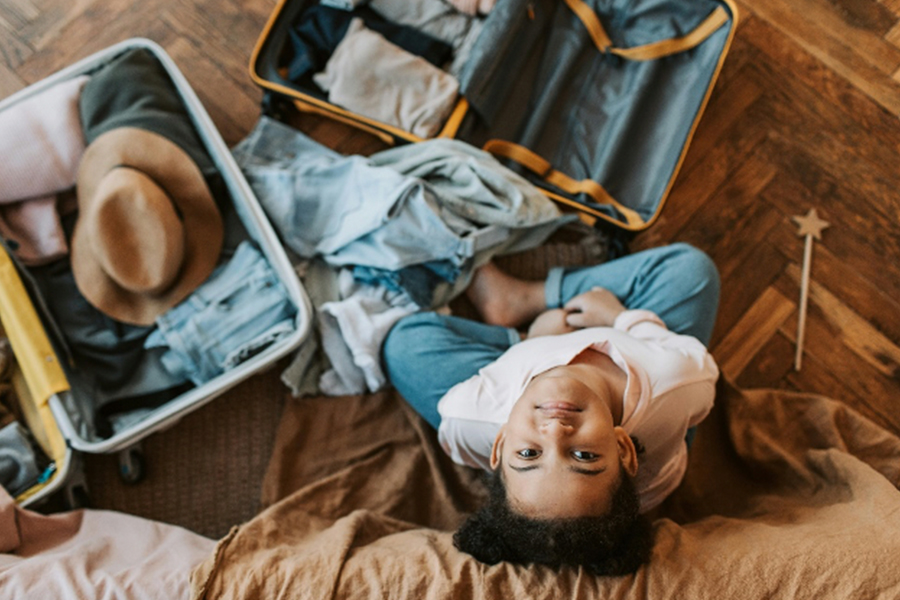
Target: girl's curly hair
x=616, y=543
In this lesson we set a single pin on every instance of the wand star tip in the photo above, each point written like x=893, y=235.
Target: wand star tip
x=810, y=224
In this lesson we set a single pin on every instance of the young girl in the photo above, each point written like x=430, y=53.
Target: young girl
x=582, y=421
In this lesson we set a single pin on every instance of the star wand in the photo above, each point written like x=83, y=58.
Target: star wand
x=811, y=226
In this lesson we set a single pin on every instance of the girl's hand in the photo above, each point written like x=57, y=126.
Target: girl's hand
x=550, y=322
x=596, y=308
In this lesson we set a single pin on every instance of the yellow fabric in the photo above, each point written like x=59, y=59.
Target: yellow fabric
x=39, y=374
x=25, y=331
x=455, y=119
x=41, y=423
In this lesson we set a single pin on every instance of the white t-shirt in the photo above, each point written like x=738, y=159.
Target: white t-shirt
x=670, y=387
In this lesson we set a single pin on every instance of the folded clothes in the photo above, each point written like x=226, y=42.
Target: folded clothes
x=42, y=142
x=319, y=30
x=473, y=7
x=31, y=173
x=34, y=230
x=238, y=312
x=438, y=19
x=372, y=77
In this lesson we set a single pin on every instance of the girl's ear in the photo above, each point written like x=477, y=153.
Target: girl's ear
x=497, y=448
x=627, y=451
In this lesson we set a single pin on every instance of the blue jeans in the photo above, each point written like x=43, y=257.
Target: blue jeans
x=426, y=354
x=440, y=200
x=239, y=311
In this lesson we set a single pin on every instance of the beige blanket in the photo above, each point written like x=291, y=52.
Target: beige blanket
x=786, y=496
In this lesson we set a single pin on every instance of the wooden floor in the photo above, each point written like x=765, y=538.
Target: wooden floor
x=805, y=114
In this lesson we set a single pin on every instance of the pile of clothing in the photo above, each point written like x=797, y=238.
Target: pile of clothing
x=376, y=238
x=395, y=61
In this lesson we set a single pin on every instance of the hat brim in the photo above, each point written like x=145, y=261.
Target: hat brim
x=175, y=172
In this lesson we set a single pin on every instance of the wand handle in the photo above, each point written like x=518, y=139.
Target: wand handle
x=804, y=296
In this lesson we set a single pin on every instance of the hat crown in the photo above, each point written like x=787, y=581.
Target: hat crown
x=148, y=230
x=137, y=235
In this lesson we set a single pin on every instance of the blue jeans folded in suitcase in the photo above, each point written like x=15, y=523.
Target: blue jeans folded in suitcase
x=241, y=310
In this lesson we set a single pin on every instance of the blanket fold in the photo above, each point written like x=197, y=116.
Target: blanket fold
x=786, y=495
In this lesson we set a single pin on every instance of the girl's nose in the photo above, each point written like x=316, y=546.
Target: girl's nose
x=556, y=427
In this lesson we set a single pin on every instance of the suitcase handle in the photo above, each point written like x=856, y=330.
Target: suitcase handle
x=648, y=51
x=543, y=169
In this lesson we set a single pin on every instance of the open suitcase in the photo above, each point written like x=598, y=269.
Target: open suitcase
x=594, y=101
x=59, y=414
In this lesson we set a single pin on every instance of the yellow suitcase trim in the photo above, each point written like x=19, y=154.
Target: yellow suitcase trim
x=29, y=342
x=39, y=376
x=648, y=51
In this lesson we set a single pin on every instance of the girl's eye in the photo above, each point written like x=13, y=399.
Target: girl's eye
x=584, y=455
x=528, y=453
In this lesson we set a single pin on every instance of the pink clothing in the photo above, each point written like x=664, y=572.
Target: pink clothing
x=670, y=387
x=35, y=226
x=40, y=151
x=473, y=7
x=96, y=554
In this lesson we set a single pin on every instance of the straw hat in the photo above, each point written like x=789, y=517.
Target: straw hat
x=148, y=230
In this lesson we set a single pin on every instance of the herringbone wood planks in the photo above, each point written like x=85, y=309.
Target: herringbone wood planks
x=796, y=122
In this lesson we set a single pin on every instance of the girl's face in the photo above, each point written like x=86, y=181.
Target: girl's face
x=560, y=452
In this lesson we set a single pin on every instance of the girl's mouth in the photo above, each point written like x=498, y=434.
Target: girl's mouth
x=558, y=407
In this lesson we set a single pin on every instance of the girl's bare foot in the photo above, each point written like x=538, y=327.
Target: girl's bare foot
x=502, y=299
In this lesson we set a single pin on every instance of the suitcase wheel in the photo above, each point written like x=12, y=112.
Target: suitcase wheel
x=132, y=467
x=77, y=497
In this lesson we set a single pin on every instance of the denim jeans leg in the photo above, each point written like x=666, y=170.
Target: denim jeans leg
x=238, y=311
x=678, y=282
x=426, y=354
